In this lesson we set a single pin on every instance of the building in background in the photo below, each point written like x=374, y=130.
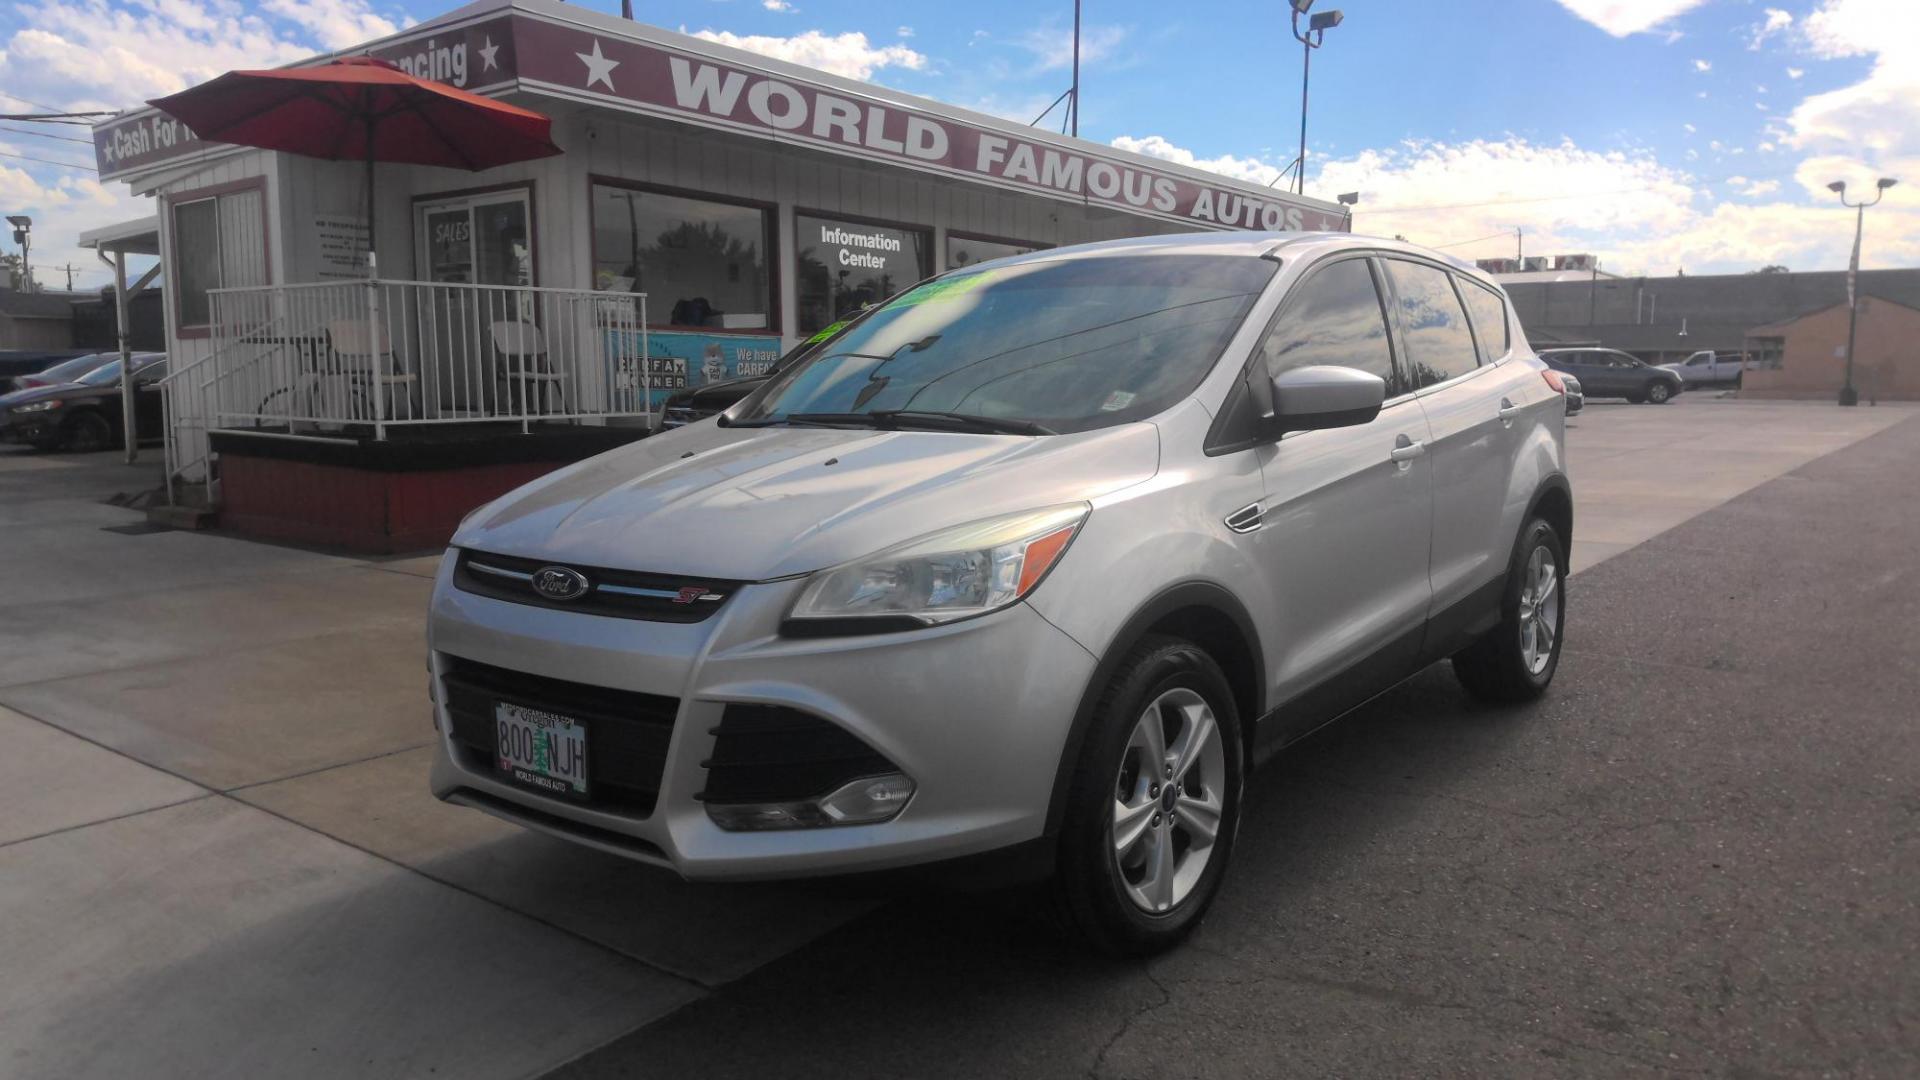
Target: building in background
x=38, y=320
x=1805, y=357
x=1665, y=319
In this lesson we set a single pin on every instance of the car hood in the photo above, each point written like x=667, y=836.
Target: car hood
x=42, y=393
x=759, y=503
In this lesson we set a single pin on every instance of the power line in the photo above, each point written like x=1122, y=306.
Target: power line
x=1475, y=240
x=29, y=101
x=50, y=161
x=47, y=135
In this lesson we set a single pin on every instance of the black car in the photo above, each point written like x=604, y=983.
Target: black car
x=85, y=415
x=700, y=402
x=15, y=362
x=1612, y=373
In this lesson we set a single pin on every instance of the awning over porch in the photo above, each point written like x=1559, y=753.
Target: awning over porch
x=141, y=236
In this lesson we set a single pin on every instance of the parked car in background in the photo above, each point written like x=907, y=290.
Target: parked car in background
x=1709, y=368
x=85, y=415
x=699, y=402
x=1031, y=562
x=1611, y=373
x=67, y=371
x=1576, y=396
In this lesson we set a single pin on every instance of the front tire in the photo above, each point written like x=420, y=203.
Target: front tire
x=1659, y=393
x=1153, y=804
x=1515, y=661
x=86, y=433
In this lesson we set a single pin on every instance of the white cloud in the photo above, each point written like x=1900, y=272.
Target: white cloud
x=1052, y=45
x=1635, y=213
x=1623, y=17
x=1690, y=128
x=123, y=53
x=1240, y=168
x=63, y=204
x=335, y=24
x=1794, y=73
x=1703, y=65
x=777, y=5
x=850, y=54
x=905, y=32
x=1776, y=22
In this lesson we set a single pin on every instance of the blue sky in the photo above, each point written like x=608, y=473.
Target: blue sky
x=1656, y=133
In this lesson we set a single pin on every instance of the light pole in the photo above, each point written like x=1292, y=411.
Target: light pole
x=1317, y=27
x=23, y=235
x=1848, y=395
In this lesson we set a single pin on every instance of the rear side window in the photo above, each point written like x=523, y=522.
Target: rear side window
x=1439, y=342
x=1489, y=319
x=1334, y=317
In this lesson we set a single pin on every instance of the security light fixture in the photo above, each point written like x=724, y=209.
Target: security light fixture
x=1350, y=198
x=1301, y=6
x=1326, y=20
x=1849, y=395
x=1310, y=39
x=20, y=221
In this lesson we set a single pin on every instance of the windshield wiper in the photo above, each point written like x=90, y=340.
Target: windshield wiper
x=954, y=421
x=898, y=419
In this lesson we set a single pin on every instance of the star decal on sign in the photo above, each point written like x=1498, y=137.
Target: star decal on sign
x=487, y=54
x=599, y=68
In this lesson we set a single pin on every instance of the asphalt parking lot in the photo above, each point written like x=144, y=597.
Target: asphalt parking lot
x=1698, y=854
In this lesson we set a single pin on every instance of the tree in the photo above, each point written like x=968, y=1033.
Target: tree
x=1771, y=268
x=13, y=272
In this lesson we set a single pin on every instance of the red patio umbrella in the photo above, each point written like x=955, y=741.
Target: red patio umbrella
x=361, y=109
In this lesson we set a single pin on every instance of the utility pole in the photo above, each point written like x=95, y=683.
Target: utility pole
x=68, y=270
x=1519, y=250
x=1073, y=103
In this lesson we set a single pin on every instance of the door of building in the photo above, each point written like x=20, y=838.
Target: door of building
x=480, y=247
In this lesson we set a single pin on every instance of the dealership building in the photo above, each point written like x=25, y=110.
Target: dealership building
x=711, y=208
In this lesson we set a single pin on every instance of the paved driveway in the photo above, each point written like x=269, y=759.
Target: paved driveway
x=217, y=856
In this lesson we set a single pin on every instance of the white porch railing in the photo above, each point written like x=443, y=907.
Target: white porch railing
x=353, y=359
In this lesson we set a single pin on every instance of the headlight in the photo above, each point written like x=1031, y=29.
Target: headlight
x=38, y=406
x=953, y=574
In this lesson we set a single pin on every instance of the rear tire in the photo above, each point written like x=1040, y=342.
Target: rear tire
x=1515, y=661
x=1659, y=393
x=1159, y=771
x=85, y=433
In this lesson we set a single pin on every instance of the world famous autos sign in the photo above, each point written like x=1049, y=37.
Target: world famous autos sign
x=696, y=88
x=639, y=69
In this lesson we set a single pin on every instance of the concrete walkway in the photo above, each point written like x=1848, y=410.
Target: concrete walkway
x=218, y=857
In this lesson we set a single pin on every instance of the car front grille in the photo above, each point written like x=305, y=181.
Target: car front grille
x=769, y=753
x=620, y=594
x=627, y=732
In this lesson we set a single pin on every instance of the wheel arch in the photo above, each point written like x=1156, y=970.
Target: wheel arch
x=1205, y=613
x=1553, y=500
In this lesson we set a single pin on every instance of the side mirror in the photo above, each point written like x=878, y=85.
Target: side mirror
x=1325, y=396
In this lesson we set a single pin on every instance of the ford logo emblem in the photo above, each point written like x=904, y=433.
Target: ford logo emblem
x=559, y=583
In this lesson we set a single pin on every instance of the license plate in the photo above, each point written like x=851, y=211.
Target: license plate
x=541, y=749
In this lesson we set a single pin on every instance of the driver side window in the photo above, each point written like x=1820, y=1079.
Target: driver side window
x=1334, y=317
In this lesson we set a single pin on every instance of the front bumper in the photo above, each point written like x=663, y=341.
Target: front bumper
x=29, y=427
x=976, y=713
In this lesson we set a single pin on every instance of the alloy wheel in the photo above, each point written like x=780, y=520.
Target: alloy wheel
x=1169, y=800
x=1539, y=610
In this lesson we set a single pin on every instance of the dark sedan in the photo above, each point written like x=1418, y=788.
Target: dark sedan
x=1612, y=373
x=67, y=371
x=700, y=402
x=85, y=415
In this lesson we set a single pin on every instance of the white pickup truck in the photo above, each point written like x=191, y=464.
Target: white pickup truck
x=1709, y=368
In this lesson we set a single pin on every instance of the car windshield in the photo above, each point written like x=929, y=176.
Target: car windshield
x=1058, y=345
x=68, y=370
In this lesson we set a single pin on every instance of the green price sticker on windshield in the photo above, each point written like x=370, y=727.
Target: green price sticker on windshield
x=831, y=330
x=943, y=290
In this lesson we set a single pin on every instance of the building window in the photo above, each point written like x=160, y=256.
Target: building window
x=702, y=264
x=846, y=266
x=964, y=251
x=218, y=243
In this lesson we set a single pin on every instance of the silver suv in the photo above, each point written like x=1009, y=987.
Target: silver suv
x=1031, y=562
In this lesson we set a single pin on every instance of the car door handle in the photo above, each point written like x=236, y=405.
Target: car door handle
x=1405, y=450
x=1508, y=410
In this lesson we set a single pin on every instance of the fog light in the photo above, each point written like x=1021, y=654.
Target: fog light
x=863, y=802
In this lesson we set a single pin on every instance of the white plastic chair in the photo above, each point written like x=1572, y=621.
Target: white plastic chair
x=523, y=363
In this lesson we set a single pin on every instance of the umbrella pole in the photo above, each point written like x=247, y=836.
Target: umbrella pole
x=377, y=357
